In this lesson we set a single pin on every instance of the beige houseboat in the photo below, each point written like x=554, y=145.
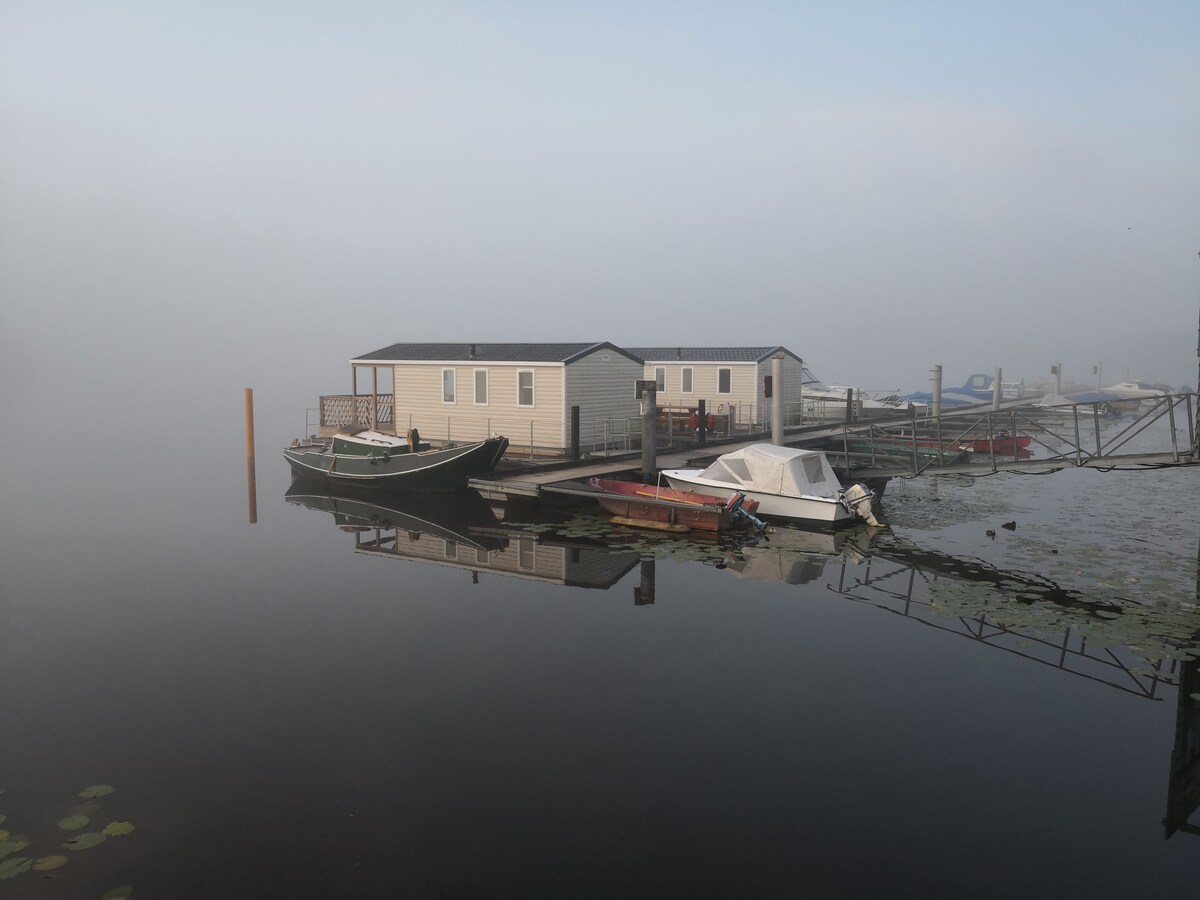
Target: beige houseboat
x=466, y=392
x=730, y=380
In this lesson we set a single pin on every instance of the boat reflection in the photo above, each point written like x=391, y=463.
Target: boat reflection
x=461, y=531
x=1020, y=614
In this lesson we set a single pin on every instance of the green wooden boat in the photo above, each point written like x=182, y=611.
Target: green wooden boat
x=373, y=459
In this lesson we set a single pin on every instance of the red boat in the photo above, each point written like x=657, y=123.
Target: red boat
x=1004, y=443
x=668, y=509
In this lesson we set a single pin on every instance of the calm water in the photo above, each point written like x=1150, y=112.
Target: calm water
x=313, y=707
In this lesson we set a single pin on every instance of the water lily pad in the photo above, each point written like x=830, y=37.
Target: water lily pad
x=73, y=823
x=46, y=863
x=13, y=867
x=114, y=829
x=85, y=841
x=82, y=809
x=96, y=790
x=13, y=844
x=124, y=892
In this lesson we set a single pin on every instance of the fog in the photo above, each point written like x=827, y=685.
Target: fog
x=197, y=198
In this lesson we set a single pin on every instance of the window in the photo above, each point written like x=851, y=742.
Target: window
x=685, y=381
x=724, y=379
x=526, y=554
x=451, y=550
x=447, y=385
x=481, y=387
x=660, y=379
x=525, y=388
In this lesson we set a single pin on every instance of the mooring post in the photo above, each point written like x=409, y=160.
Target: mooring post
x=777, y=399
x=575, y=433
x=800, y=394
x=251, y=491
x=996, y=392
x=701, y=415
x=937, y=392
x=849, y=405
x=643, y=594
x=649, y=437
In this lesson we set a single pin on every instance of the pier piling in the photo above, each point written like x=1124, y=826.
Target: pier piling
x=251, y=487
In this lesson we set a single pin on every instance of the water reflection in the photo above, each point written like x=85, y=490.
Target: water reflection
x=1129, y=647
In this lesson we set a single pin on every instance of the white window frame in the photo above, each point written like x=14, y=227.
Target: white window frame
x=687, y=380
x=453, y=387
x=526, y=554
x=532, y=388
x=486, y=386
x=729, y=387
x=660, y=379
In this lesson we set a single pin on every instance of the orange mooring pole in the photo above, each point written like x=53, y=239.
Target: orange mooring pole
x=251, y=492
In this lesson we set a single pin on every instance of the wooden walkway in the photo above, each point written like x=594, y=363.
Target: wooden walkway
x=557, y=476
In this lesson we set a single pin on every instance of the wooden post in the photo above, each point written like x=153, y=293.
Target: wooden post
x=849, y=405
x=374, y=398
x=251, y=489
x=996, y=390
x=701, y=415
x=353, y=394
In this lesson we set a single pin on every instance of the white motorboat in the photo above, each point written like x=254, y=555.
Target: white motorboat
x=788, y=483
x=824, y=401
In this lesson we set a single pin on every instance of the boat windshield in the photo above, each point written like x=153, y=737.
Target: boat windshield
x=811, y=382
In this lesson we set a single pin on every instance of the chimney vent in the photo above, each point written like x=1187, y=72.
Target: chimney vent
x=471, y=354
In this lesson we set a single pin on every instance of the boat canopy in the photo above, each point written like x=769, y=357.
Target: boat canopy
x=772, y=469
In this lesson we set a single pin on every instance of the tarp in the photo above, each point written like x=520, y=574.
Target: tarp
x=772, y=469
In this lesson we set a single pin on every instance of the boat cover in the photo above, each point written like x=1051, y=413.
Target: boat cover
x=772, y=469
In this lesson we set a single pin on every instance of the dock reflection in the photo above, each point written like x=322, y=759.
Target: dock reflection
x=461, y=531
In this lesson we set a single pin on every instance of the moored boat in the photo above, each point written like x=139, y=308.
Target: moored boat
x=788, y=483
x=651, y=505
x=367, y=458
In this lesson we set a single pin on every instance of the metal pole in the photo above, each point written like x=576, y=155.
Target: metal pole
x=1096, y=423
x=1171, y=420
x=1079, y=441
x=937, y=392
x=800, y=392
x=777, y=399
x=353, y=394
x=575, y=433
x=649, y=438
x=912, y=415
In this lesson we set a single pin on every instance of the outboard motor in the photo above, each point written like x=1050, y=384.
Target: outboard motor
x=857, y=498
x=737, y=512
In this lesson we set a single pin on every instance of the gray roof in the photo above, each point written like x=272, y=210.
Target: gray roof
x=709, y=354
x=531, y=353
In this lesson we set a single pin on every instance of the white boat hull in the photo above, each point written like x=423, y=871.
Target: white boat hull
x=805, y=508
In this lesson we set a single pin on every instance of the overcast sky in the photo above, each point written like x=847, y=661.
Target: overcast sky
x=256, y=191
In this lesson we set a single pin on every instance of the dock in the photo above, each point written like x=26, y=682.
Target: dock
x=1070, y=438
